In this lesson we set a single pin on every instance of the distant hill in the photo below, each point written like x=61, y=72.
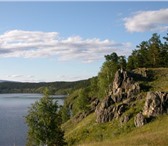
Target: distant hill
x=55, y=87
x=1, y=81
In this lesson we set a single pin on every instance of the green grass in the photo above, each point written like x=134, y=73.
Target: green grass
x=160, y=79
x=90, y=133
x=152, y=134
x=88, y=130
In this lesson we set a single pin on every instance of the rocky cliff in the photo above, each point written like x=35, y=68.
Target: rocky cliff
x=124, y=94
x=123, y=91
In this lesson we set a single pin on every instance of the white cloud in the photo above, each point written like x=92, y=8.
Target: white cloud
x=147, y=21
x=33, y=44
x=72, y=77
x=21, y=78
x=14, y=76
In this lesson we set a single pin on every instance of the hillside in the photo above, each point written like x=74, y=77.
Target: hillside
x=158, y=78
x=135, y=113
x=152, y=134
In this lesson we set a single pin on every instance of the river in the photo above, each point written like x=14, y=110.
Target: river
x=13, y=108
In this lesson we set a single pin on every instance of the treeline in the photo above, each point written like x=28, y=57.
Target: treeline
x=149, y=54
x=152, y=53
x=54, y=87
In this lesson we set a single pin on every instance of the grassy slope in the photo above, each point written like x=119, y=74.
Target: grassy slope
x=160, y=82
x=152, y=134
x=114, y=134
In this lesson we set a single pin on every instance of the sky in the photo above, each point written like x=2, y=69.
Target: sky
x=66, y=41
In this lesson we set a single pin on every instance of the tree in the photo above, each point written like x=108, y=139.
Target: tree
x=112, y=57
x=151, y=53
x=164, y=52
x=106, y=75
x=131, y=62
x=94, y=87
x=83, y=99
x=155, y=46
x=65, y=113
x=122, y=62
x=44, y=123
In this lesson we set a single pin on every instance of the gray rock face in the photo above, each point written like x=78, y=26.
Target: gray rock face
x=104, y=110
x=124, y=86
x=139, y=120
x=156, y=103
x=119, y=110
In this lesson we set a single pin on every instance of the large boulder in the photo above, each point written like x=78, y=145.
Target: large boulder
x=156, y=103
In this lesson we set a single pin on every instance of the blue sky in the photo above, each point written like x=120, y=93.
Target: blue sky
x=67, y=41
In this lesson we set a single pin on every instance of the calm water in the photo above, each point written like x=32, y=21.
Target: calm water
x=13, y=108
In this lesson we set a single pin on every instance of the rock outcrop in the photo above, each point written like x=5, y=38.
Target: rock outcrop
x=104, y=110
x=156, y=104
x=124, y=95
x=124, y=119
x=107, y=113
x=140, y=120
x=124, y=88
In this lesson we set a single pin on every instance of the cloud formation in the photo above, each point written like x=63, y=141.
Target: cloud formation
x=33, y=44
x=147, y=21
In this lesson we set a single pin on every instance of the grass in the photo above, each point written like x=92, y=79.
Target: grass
x=152, y=134
x=88, y=130
x=160, y=79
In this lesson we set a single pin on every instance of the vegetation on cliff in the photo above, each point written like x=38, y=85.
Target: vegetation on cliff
x=119, y=102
